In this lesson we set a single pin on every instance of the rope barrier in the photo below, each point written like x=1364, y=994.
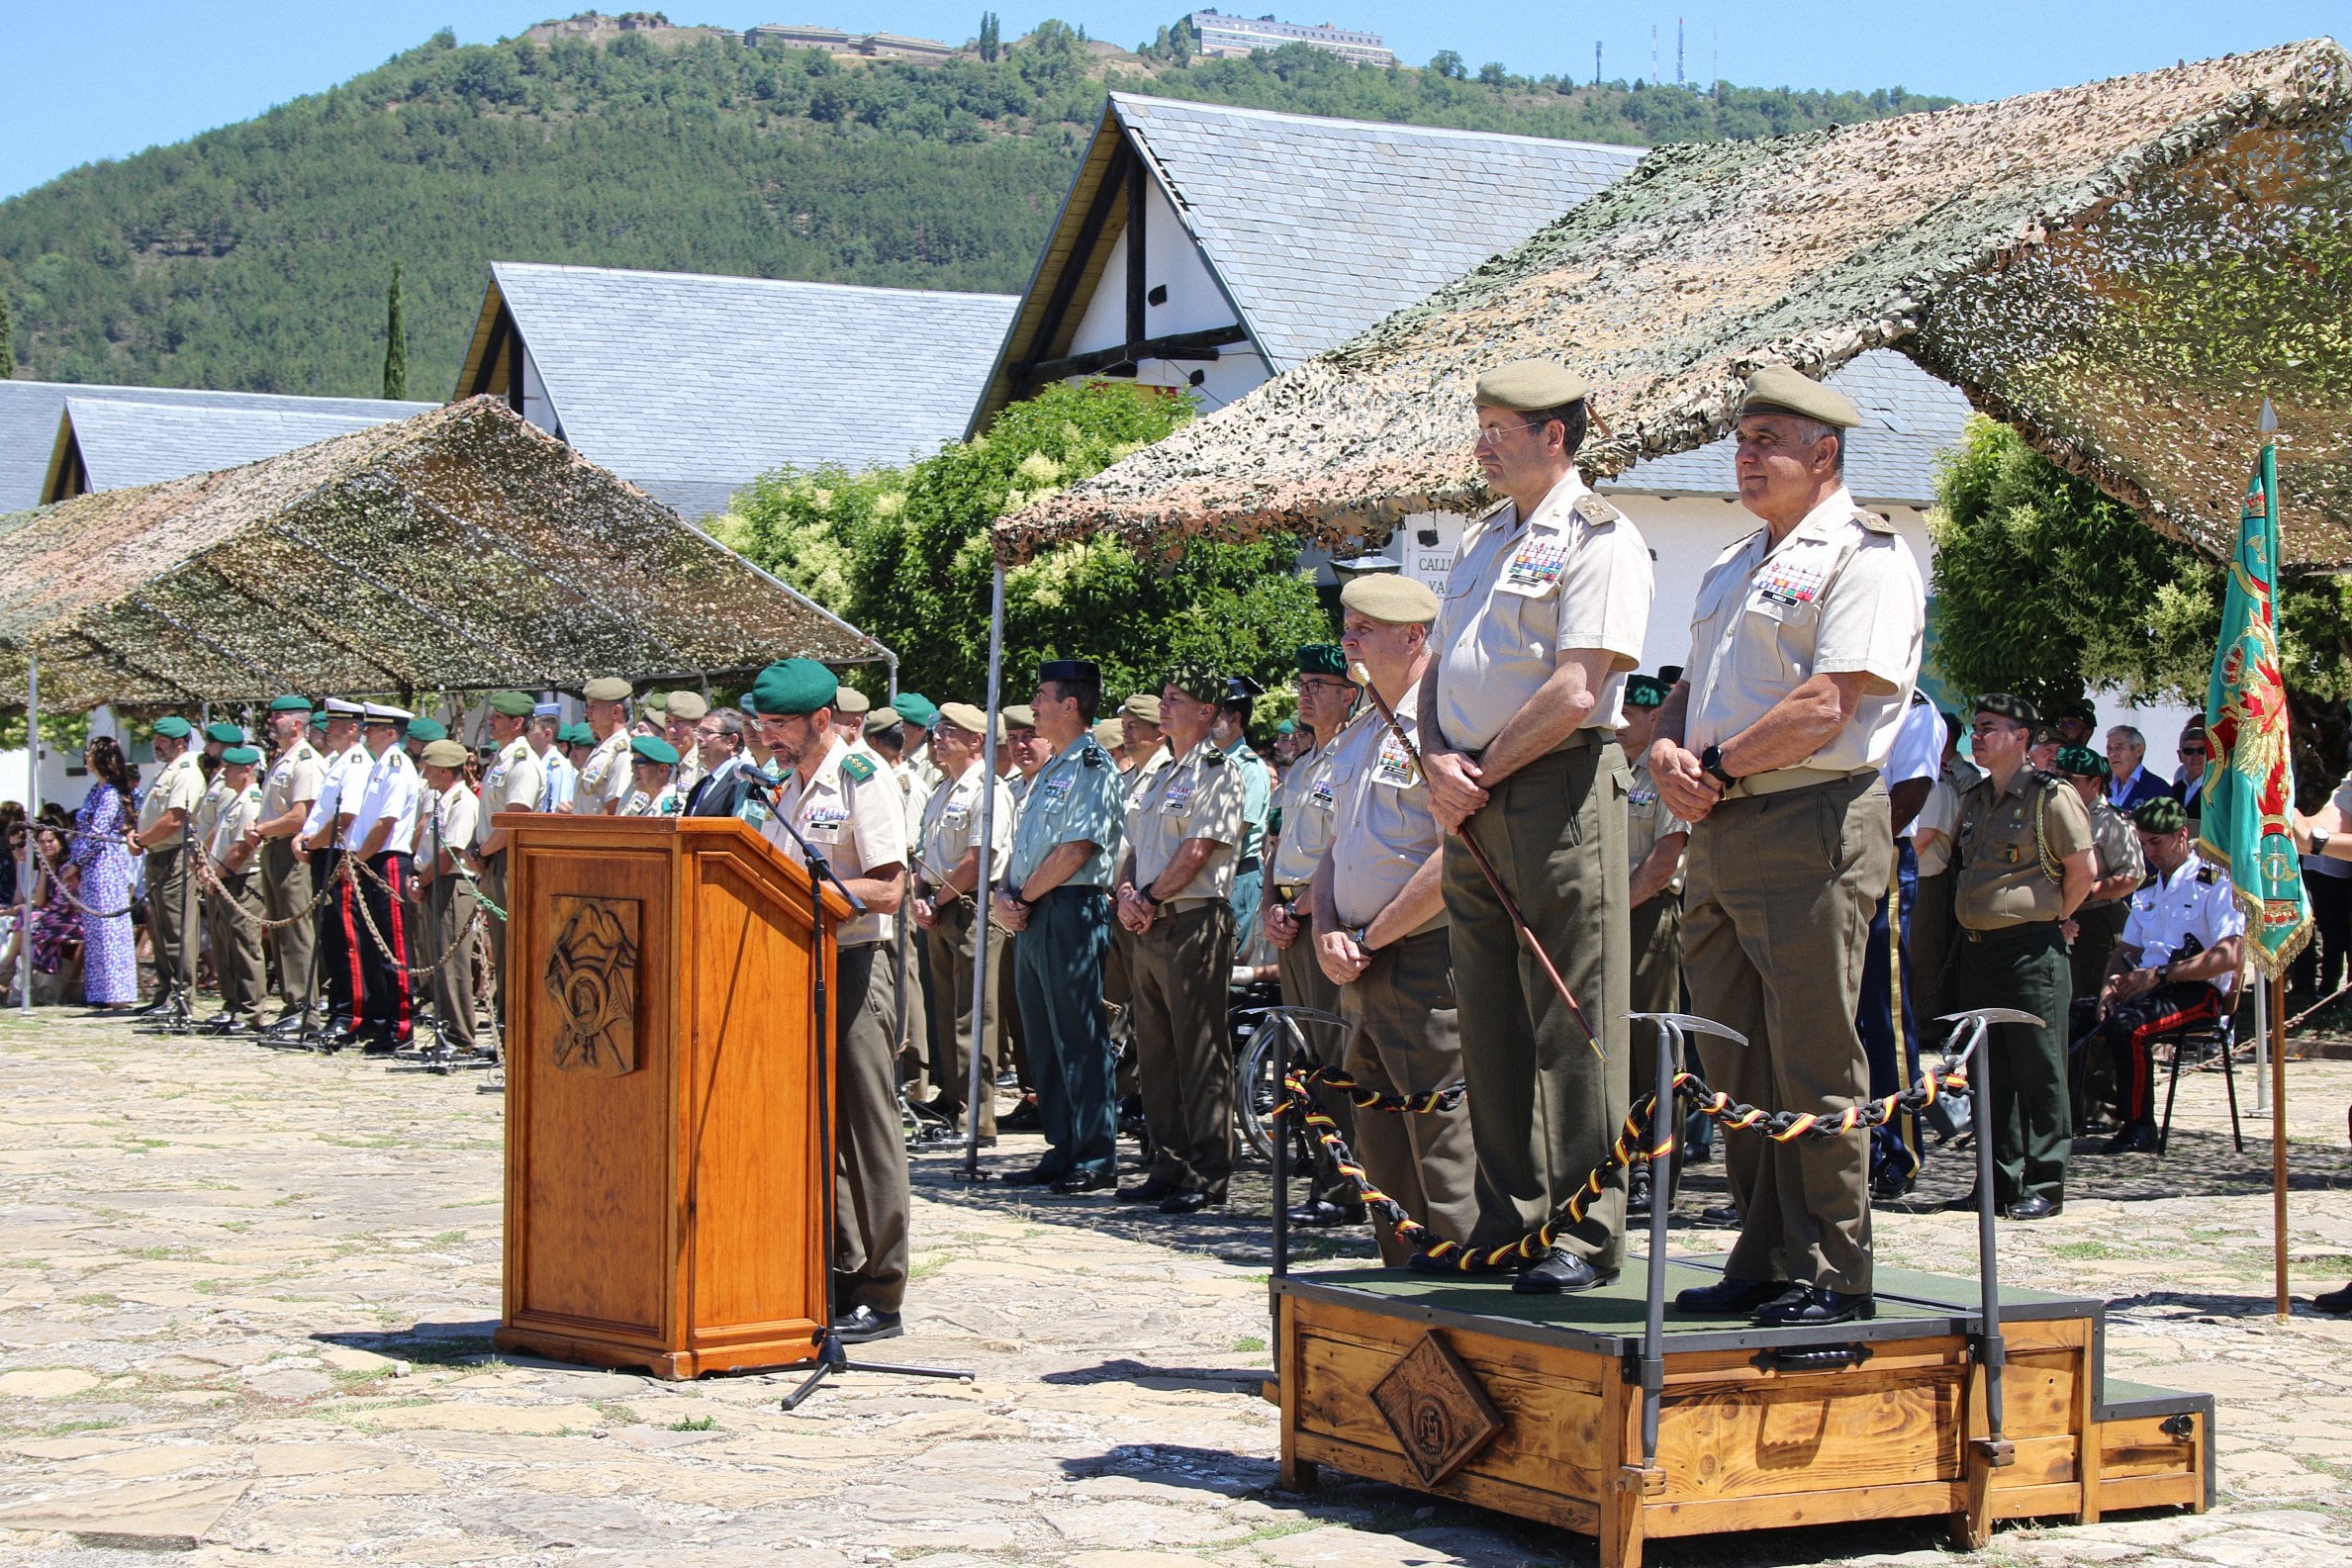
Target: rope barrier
x=354, y=869
x=1631, y=1144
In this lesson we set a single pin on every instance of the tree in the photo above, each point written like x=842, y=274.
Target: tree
x=991, y=37
x=903, y=554
x=8, y=347
x=2047, y=586
x=1447, y=63
x=396, y=341
x=1494, y=74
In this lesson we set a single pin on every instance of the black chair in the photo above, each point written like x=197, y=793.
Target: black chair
x=2217, y=1034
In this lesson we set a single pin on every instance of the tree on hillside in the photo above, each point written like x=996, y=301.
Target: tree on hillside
x=992, y=38
x=8, y=347
x=2047, y=586
x=903, y=554
x=396, y=342
x=1447, y=63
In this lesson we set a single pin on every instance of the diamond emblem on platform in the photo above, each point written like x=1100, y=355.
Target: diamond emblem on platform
x=1435, y=1406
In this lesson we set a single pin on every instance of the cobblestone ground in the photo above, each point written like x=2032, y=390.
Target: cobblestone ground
x=246, y=1298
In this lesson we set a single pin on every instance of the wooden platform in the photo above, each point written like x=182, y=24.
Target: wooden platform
x=1532, y=1405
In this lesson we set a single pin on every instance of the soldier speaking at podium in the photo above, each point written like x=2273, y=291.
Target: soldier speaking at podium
x=852, y=813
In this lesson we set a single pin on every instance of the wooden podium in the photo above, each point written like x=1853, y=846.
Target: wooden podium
x=666, y=1103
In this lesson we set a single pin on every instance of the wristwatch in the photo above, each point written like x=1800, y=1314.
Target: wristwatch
x=1711, y=762
x=1150, y=898
x=2319, y=841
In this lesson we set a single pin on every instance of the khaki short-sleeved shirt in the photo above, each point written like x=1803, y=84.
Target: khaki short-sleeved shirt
x=1574, y=577
x=915, y=789
x=2117, y=844
x=605, y=776
x=1197, y=797
x=2009, y=842
x=295, y=779
x=208, y=807
x=461, y=819
x=180, y=784
x=1305, y=800
x=951, y=825
x=1841, y=595
x=1380, y=830
x=850, y=811
x=1649, y=819
x=234, y=817
x=515, y=783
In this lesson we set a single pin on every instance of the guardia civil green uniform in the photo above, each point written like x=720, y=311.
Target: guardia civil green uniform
x=2008, y=850
x=1523, y=594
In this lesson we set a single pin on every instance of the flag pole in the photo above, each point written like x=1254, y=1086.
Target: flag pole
x=2277, y=987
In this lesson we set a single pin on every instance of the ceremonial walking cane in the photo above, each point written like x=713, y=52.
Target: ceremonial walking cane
x=1363, y=678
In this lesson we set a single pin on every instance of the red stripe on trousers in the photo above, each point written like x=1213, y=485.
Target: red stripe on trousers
x=342, y=903
x=2139, y=1105
x=402, y=1028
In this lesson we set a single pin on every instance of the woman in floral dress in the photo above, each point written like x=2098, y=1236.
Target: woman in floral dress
x=110, y=948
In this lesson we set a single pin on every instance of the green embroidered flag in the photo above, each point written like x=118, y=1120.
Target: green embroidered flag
x=2249, y=777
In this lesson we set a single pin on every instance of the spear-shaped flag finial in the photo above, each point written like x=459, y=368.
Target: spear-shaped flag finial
x=2269, y=423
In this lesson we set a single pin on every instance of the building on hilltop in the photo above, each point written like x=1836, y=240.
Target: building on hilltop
x=1222, y=34
x=691, y=385
x=60, y=438
x=835, y=40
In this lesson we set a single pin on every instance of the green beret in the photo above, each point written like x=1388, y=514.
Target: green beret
x=173, y=727
x=227, y=734
x=289, y=703
x=656, y=750
x=1530, y=385
x=1781, y=389
x=2163, y=814
x=656, y=703
x=427, y=731
x=1197, y=681
x=852, y=701
x=444, y=753
x=576, y=734
x=1645, y=691
x=319, y=721
x=1322, y=658
x=1386, y=596
x=917, y=708
x=607, y=689
x=512, y=705
x=2081, y=762
x=1286, y=727
x=242, y=756
x=688, y=706
x=794, y=686
x=2002, y=705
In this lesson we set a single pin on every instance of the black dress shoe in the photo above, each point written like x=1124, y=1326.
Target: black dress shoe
x=2338, y=1302
x=2034, y=1207
x=155, y=1009
x=1321, y=1215
x=862, y=1325
x=1188, y=1202
x=1721, y=1214
x=243, y=1027
x=1152, y=1190
x=1560, y=1271
x=1814, y=1307
x=1035, y=1176
x=2137, y=1138
x=1729, y=1297
x=1966, y=1203
x=1078, y=1182
x=380, y=1047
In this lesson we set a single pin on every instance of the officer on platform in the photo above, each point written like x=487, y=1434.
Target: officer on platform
x=1546, y=610
x=1805, y=645
x=604, y=775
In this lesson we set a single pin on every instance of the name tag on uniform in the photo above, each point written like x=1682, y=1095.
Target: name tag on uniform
x=823, y=825
x=493, y=779
x=1791, y=584
x=1535, y=567
x=1394, y=767
x=1180, y=796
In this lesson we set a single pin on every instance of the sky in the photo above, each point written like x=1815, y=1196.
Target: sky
x=107, y=78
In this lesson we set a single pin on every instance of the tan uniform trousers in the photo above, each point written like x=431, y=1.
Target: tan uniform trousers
x=1545, y=1106
x=235, y=915
x=1304, y=984
x=1776, y=916
x=1405, y=1038
x=493, y=884
x=286, y=893
x=1181, y=974
x=912, y=1026
x=948, y=949
x=172, y=914
x=869, y=1188
x=452, y=906
x=1119, y=999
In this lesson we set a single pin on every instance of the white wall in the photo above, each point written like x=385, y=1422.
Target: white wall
x=538, y=409
x=1194, y=303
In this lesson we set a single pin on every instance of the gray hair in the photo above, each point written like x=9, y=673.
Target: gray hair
x=1814, y=431
x=2130, y=734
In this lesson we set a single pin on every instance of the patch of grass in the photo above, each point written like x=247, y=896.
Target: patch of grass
x=451, y=1237
x=1280, y=1527
x=1248, y=1344
x=361, y=1376
x=931, y=1263
x=94, y=1298
x=615, y=1412
x=695, y=1423
x=235, y=1227
x=66, y=1428
x=2078, y=1251
x=163, y=1255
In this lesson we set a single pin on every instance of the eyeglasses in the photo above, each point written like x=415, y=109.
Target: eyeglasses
x=1488, y=434
x=1324, y=684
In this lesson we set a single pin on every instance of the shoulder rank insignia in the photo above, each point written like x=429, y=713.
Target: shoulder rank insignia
x=1872, y=521
x=1491, y=510
x=858, y=768
x=2207, y=875
x=1213, y=759
x=1092, y=757
x=1592, y=511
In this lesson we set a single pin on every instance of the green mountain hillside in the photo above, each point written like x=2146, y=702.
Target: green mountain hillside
x=258, y=255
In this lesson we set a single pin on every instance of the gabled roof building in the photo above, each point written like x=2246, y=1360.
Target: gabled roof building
x=690, y=384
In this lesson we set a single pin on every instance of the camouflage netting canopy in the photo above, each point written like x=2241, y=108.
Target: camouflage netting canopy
x=458, y=550
x=2123, y=272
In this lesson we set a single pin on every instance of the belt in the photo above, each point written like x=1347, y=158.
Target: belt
x=1578, y=740
x=1780, y=781
x=1287, y=892
x=1253, y=864
x=2023, y=927
x=1179, y=906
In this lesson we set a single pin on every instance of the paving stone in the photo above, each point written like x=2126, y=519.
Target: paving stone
x=153, y=1515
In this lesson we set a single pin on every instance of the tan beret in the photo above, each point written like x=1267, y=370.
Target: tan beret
x=1144, y=705
x=851, y=701
x=1530, y=384
x=1384, y=595
x=1780, y=389
x=1107, y=734
x=880, y=719
x=443, y=754
x=964, y=716
x=1021, y=716
x=607, y=689
x=688, y=706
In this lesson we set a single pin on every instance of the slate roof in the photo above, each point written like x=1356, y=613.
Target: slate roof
x=1908, y=418
x=29, y=411
x=124, y=443
x=688, y=385
x=1319, y=228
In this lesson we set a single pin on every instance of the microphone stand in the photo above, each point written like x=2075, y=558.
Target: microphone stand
x=833, y=1356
